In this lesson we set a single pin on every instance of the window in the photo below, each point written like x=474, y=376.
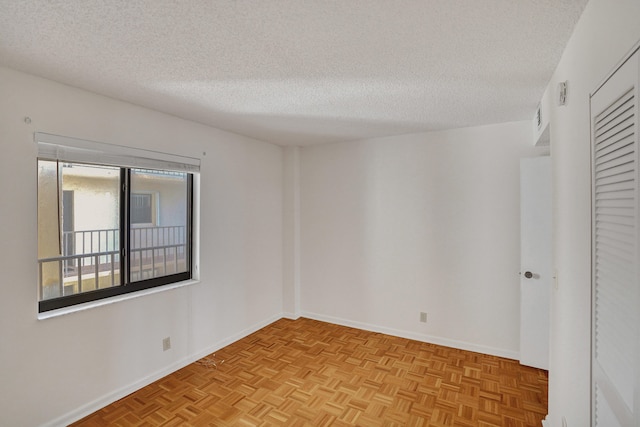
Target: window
x=141, y=209
x=107, y=226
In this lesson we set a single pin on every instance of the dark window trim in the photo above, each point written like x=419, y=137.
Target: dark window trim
x=126, y=286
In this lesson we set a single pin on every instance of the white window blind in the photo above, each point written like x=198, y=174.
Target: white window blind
x=54, y=147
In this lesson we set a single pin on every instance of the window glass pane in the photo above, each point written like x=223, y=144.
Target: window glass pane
x=159, y=235
x=78, y=228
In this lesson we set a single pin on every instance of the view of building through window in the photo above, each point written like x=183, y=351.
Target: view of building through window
x=80, y=238
x=159, y=239
x=78, y=228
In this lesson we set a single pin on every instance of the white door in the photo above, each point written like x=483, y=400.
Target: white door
x=535, y=260
x=615, y=331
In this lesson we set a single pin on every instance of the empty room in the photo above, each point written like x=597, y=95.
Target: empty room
x=317, y=213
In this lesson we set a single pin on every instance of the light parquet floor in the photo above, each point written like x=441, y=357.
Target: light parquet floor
x=309, y=373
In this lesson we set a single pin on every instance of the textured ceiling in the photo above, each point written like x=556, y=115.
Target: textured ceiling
x=299, y=72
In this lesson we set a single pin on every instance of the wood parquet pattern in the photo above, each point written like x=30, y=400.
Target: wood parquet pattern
x=309, y=373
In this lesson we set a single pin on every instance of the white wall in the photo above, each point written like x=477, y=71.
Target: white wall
x=54, y=370
x=291, y=237
x=427, y=222
x=605, y=33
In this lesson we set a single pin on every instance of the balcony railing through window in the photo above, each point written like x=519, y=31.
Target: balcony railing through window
x=157, y=251
x=91, y=259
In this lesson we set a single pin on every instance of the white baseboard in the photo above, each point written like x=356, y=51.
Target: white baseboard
x=291, y=316
x=109, y=398
x=462, y=345
x=233, y=338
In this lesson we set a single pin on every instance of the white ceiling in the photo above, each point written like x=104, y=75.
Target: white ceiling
x=300, y=72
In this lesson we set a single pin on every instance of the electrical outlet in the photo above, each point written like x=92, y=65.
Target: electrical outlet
x=423, y=317
x=166, y=344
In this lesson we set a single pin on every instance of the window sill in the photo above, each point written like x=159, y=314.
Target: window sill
x=89, y=305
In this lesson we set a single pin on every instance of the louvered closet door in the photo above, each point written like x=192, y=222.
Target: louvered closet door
x=616, y=282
